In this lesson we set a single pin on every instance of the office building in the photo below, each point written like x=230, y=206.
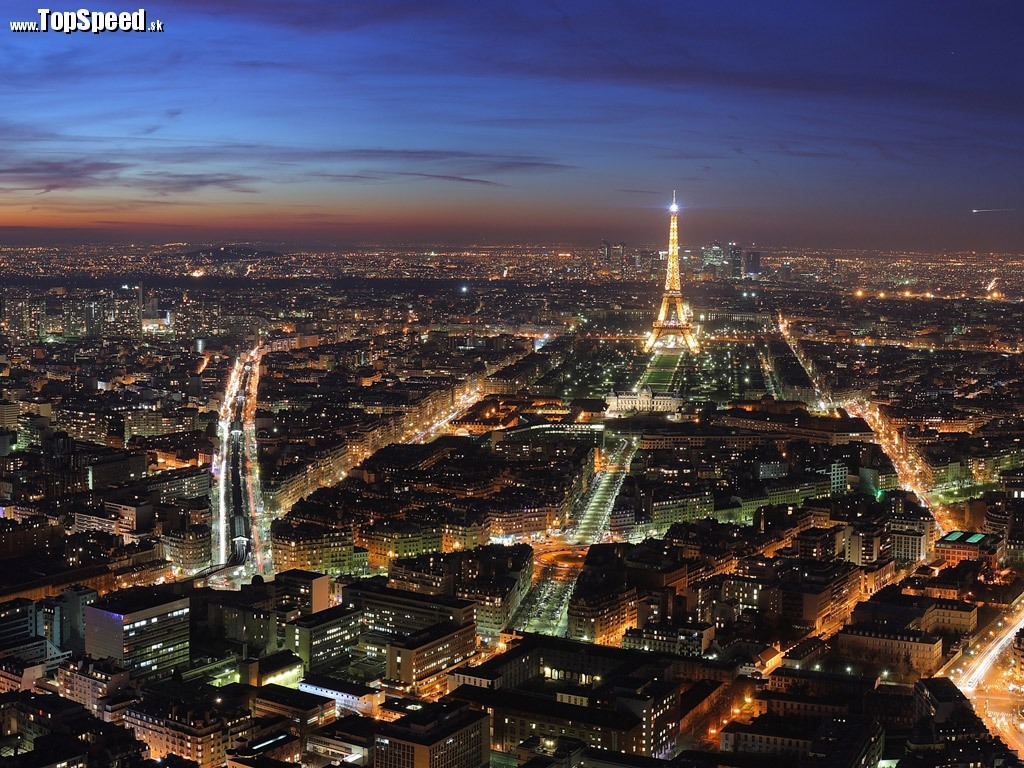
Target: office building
x=735, y=261
x=309, y=591
x=420, y=662
x=610, y=698
x=305, y=711
x=437, y=736
x=400, y=612
x=322, y=640
x=144, y=630
x=349, y=697
x=22, y=629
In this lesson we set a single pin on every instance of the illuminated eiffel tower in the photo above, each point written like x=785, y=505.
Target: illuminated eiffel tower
x=673, y=327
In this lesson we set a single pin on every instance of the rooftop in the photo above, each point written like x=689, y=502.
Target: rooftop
x=290, y=697
x=973, y=538
x=126, y=601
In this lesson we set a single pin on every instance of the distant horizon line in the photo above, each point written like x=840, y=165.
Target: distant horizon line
x=421, y=246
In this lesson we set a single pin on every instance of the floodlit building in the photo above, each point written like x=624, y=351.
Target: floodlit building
x=970, y=545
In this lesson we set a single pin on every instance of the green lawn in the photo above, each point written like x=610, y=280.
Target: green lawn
x=661, y=371
x=955, y=495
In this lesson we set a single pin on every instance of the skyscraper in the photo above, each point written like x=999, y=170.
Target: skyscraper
x=82, y=317
x=735, y=261
x=619, y=257
x=25, y=318
x=125, y=316
x=714, y=255
x=752, y=263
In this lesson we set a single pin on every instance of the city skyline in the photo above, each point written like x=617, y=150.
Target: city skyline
x=316, y=123
x=492, y=501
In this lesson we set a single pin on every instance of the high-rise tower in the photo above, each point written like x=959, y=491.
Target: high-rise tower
x=674, y=324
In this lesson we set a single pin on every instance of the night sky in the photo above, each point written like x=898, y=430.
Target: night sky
x=874, y=124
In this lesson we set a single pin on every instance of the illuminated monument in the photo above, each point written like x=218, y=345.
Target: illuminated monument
x=673, y=327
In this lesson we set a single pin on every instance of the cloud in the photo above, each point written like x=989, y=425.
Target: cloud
x=816, y=153
x=164, y=183
x=48, y=175
x=353, y=177
x=83, y=173
x=11, y=132
x=170, y=114
x=271, y=102
x=447, y=177
x=513, y=166
x=165, y=167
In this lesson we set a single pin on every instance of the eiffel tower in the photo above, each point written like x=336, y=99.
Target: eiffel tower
x=673, y=327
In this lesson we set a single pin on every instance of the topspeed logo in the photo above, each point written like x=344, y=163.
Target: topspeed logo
x=85, y=20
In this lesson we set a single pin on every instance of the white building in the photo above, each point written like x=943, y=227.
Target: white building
x=644, y=399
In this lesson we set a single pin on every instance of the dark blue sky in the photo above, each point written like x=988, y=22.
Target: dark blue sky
x=794, y=123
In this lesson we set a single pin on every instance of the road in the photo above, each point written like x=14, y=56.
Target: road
x=593, y=522
x=223, y=501
x=983, y=680
x=560, y=559
x=259, y=523
x=981, y=674
x=904, y=458
x=242, y=525
x=462, y=404
x=240, y=529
